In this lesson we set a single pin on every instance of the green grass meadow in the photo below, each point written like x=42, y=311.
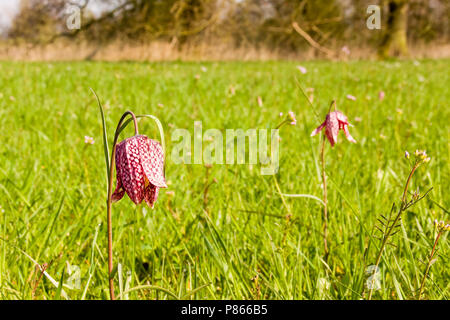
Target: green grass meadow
x=238, y=243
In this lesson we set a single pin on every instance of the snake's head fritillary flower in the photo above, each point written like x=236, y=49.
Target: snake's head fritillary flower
x=334, y=122
x=140, y=169
x=381, y=95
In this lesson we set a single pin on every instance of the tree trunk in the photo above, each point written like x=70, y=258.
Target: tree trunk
x=394, y=42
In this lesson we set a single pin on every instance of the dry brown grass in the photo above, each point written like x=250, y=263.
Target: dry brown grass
x=164, y=51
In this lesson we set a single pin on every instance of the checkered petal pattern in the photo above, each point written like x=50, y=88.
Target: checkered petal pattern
x=140, y=169
x=334, y=122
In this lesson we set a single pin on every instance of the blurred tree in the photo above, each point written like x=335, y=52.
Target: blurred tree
x=37, y=20
x=395, y=41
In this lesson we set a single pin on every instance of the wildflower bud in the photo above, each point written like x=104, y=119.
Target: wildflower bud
x=441, y=225
x=416, y=195
x=291, y=118
x=421, y=156
x=406, y=154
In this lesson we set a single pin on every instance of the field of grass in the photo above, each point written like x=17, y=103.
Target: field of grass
x=238, y=243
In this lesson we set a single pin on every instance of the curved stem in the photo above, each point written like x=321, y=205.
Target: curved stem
x=160, y=128
x=407, y=184
x=281, y=124
x=325, y=206
x=109, y=199
x=332, y=104
x=427, y=269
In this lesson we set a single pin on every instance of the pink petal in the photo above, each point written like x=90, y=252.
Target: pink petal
x=302, y=69
x=120, y=191
x=330, y=137
x=347, y=134
x=332, y=129
x=318, y=129
x=151, y=194
x=341, y=117
x=132, y=175
x=152, y=161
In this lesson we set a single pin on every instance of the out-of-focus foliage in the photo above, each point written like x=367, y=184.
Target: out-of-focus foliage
x=257, y=23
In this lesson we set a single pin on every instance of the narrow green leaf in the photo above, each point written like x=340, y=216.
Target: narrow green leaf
x=60, y=285
x=190, y=293
x=105, y=135
x=170, y=293
x=50, y=228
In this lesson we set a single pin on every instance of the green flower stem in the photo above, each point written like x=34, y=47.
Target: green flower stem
x=391, y=228
x=109, y=198
x=427, y=269
x=325, y=201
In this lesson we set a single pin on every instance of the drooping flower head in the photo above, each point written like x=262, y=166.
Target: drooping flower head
x=140, y=169
x=334, y=122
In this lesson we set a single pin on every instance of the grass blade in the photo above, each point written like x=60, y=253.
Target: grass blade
x=105, y=135
x=60, y=285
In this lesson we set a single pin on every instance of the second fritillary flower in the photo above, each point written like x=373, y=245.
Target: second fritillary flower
x=334, y=122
